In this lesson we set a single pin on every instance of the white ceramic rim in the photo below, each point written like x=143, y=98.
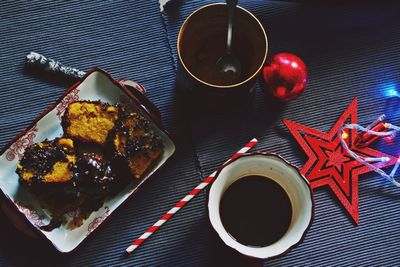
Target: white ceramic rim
x=295, y=185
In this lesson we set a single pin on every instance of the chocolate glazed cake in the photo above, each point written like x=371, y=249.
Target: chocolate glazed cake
x=72, y=174
x=134, y=146
x=48, y=163
x=64, y=181
x=94, y=176
x=89, y=121
x=46, y=169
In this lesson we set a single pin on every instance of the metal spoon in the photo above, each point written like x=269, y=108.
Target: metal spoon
x=228, y=65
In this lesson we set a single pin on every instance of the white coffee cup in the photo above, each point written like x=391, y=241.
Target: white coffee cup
x=274, y=167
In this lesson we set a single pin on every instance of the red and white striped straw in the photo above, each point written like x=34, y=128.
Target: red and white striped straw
x=185, y=200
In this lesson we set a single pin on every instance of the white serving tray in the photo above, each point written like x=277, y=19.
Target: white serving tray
x=96, y=85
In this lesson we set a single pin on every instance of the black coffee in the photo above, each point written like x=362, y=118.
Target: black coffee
x=256, y=211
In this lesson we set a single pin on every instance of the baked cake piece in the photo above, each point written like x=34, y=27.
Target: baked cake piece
x=94, y=176
x=89, y=121
x=47, y=162
x=134, y=144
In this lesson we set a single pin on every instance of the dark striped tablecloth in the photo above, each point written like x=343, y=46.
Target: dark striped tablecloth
x=350, y=50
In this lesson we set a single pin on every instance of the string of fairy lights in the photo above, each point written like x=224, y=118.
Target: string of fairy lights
x=367, y=135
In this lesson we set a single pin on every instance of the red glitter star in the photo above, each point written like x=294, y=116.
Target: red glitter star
x=330, y=165
x=336, y=158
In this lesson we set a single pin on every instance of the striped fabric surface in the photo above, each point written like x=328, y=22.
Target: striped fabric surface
x=350, y=51
x=127, y=39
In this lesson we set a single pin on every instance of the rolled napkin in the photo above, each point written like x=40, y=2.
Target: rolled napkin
x=38, y=61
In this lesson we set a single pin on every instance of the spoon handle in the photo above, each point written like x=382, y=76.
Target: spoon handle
x=231, y=4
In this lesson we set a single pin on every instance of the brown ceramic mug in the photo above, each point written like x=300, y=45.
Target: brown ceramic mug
x=202, y=41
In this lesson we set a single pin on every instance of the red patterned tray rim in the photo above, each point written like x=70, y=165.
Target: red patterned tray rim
x=50, y=108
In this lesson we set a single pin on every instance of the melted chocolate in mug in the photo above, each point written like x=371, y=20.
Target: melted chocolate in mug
x=204, y=62
x=256, y=211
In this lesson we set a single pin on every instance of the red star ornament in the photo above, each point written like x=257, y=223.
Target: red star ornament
x=330, y=165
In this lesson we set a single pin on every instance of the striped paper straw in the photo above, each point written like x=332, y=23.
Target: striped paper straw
x=185, y=200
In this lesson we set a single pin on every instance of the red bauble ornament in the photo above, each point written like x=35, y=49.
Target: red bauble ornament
x=285, y=76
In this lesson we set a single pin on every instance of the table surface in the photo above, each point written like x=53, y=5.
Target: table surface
x=350, y=50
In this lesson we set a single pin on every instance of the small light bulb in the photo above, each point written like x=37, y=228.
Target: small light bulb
x=392, y=92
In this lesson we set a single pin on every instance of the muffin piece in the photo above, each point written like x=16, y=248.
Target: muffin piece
x=134, y=144
x=89, y=122
x=94, y=176
x=47, y=162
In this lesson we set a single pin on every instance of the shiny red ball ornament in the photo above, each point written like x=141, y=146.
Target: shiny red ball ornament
x=285, y=76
